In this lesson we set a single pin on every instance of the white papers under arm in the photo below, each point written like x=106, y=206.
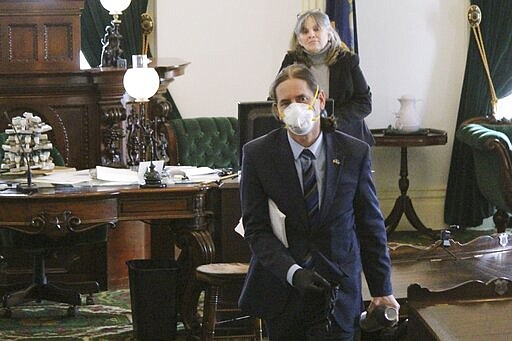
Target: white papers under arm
x=277, y=220
x=239, y=228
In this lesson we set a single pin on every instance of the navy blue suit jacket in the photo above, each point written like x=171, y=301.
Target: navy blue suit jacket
x=350, y=233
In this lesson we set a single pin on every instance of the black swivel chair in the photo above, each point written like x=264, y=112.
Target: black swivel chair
x=40, y=246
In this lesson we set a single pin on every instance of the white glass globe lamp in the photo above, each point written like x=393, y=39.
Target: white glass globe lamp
x=115, y=7
x=141, y=82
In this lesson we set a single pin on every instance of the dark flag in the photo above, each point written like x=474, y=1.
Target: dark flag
x=343, y=17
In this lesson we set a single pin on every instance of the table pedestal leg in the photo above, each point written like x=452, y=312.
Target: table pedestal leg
x=192, y=236
x=403, y=204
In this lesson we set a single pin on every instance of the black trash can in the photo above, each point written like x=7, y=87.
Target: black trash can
x=153, y=298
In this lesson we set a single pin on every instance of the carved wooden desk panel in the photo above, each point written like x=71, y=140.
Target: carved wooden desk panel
x=473, y=310
x=440, y=268
x=56, y=210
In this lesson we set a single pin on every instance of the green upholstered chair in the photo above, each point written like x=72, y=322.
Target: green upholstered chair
x=40, y=246
x=491, y=149
x=204, y=141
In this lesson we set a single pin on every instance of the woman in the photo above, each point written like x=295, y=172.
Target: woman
x=316, y=44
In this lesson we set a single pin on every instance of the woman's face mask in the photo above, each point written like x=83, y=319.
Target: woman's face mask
x=300, y=117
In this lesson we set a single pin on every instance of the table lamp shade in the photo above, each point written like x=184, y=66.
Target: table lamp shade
x=115, y=6
x=141, y=82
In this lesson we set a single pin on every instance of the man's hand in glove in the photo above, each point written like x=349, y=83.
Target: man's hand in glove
x=309, y=283
x=316, y=292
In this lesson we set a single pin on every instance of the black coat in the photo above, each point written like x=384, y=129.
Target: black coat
x=351, y=95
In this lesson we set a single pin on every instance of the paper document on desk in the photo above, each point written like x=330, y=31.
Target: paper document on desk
x=277, y=220
x=191, y=174
x=120, y=175
x=64, y=178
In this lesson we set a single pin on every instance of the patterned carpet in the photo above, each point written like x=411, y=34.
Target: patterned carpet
x=108, y=319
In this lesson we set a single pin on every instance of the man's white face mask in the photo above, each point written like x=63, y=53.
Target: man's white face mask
x=300, y=117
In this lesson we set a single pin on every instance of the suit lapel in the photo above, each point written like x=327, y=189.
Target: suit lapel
x=287, y=174
x=334, y=163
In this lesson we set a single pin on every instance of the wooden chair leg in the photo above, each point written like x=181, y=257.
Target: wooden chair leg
x=210, y=313
x=258, y=333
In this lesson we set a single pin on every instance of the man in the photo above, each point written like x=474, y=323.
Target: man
x=311, y=288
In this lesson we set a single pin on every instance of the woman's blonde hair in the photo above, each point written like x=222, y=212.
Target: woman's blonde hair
x=337, y=46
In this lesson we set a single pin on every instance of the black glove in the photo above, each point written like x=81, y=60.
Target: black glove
x=310, y=283
x=316, y=293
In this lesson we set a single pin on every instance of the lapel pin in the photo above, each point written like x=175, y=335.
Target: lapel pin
x=336, y=162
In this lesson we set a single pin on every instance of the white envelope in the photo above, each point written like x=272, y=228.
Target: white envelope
x=277, y=220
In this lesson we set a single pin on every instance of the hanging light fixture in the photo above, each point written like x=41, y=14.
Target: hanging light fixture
x=111, y=41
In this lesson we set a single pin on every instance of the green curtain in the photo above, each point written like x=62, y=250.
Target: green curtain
x=94, y=20
x=464, y=204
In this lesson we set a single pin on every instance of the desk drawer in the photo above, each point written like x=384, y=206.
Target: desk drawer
x=26, y=214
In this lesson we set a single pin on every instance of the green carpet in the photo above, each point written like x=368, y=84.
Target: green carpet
x=108, y=319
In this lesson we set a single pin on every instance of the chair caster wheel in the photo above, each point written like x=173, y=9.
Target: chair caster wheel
x=6, y=312
x=72, y=311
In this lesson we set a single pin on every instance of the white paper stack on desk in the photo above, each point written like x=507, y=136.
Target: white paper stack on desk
x=106, y=176
x=191, y=174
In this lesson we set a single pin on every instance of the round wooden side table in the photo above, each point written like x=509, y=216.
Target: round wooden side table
x=403, y=204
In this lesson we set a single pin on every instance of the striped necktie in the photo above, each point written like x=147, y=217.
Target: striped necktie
x=309, y=183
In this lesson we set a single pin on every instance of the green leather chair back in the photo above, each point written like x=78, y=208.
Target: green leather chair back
x=488, y=172
x=207, y=141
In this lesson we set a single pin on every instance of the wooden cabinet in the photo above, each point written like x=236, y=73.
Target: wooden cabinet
x=40, y=73
x=39, y=35
x=76, y=104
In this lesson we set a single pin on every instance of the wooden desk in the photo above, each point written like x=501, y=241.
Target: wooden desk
x=403, y=204
x=471, y=311
x=440, y=268
x=56, y=210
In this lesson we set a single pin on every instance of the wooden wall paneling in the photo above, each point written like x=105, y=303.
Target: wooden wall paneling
x=76, y=105
x=40, y=35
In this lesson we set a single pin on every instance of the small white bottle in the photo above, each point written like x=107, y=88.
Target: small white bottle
x=381, y=317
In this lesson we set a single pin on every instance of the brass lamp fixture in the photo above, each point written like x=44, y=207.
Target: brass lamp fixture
x=142, y=82
x=111, y=41
x=474, y=19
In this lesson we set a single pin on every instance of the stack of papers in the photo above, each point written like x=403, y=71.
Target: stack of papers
x=64, y=178
x=190, y=174
x=106, y=176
